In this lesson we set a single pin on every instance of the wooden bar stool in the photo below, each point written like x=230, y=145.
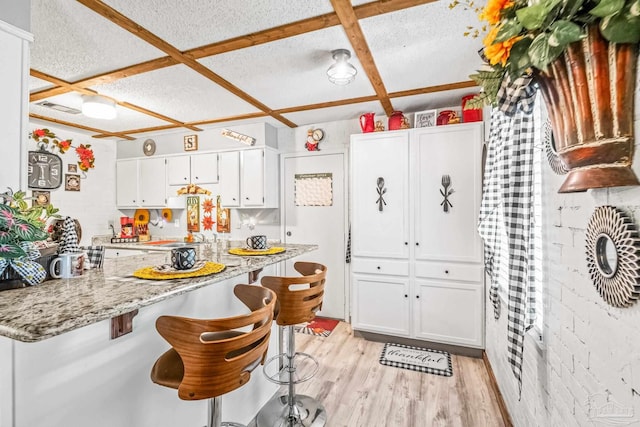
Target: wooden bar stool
x=212, y=357
x=299, y=298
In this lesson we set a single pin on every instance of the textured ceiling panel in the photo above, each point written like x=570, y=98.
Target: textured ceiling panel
x=177, y=92
x=423, y=46
x=72, y=42
x=291, y=72
x=126, y=119
x=36, y=84
x=195, y=23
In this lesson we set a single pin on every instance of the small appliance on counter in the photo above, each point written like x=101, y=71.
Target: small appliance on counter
x=127, y=231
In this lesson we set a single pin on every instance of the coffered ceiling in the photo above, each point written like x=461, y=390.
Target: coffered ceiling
x=193, y=64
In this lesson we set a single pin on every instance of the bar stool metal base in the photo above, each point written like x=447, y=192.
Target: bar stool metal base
x=214, y=414
x=306, y=412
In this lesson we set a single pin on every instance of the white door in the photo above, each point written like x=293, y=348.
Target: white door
x=229, y=183
x=316, y=214
x=252, y=178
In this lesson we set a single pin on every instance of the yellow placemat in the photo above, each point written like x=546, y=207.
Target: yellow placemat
x=150, y=273
x=247, y=252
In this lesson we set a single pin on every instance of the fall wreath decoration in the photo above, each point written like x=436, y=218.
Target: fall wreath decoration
x=44, y=137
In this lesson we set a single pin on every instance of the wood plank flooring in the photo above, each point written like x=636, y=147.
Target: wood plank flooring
x=357, y=391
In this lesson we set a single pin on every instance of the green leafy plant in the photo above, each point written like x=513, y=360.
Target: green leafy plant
x=529, y=35
x=20, y=223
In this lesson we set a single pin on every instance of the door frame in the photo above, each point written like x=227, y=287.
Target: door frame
x=346, y=180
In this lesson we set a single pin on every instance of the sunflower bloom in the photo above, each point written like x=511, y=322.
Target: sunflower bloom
x=498, y=52
x=492, y=11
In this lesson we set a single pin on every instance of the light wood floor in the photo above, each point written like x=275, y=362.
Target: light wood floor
x=357, y=391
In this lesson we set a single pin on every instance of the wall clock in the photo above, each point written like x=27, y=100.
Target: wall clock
x=44, y=171
x=149, y=147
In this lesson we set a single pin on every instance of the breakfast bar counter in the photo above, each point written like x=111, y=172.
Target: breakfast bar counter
x=59, y=365
x=58, y=306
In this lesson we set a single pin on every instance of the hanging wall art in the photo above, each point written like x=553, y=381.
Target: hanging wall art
x=613, y=256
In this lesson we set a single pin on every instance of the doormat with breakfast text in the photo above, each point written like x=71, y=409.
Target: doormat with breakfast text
x=417, y=359
x=319, y=327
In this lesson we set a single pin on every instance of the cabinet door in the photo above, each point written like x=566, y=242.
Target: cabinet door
x=204, y=168
x=252, y=181
x=455, y=151
x=380, y=195
x=381, y=304
x=126, y=183
x=229, y=186
x=178, y=170
x=152, y=184
x=448, y=312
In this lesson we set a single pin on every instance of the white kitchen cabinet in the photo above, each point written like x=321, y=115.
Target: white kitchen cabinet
x=140, y=183
x=412, y=240
x=193, y=169
x=381, y=304
x=229, y=184
x=382, y=225
x=259, y=187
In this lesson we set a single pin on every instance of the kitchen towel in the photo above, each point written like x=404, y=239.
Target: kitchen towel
x=95, y=256
x=69, y=240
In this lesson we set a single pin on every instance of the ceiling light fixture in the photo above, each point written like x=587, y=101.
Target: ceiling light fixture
x=342, y=72
x=98, y=107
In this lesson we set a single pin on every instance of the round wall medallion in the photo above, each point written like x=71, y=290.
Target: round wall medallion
x=613, y=256
x=550, y=149
x=149, y=147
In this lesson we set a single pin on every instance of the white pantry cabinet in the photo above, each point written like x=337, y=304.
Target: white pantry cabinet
x=193, y=169
x=141, y=183
x=416, y=269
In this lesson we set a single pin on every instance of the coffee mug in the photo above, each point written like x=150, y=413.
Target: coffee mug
x=67, y=266
x=257, y=242
x=183, y=258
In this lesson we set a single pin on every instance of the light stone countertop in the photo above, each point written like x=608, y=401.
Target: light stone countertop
x=57, y=306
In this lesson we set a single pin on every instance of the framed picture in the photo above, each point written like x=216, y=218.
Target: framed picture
x=190, y=142
x=41, y=198
x=71, y=182
x=425, y=119
x=72, y=168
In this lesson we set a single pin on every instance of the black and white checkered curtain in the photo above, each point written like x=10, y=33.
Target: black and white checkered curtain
x=505, y=224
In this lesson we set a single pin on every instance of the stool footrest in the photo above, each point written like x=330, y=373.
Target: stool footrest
x=280, y=369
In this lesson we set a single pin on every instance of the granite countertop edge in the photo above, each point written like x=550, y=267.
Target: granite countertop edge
x=39, y=312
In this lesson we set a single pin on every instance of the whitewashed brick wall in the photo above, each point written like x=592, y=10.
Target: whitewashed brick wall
x=591, y=350
x=94, y=204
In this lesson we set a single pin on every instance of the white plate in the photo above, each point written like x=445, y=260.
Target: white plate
x=168, y=269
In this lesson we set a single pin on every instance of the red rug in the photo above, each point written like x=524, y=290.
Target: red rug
x=319, y=327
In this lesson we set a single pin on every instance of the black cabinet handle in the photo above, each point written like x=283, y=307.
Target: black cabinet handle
x=417, y=244
x=446, y=272
x=418, y=296
x=406, y=296
x=378, y=267
x=406, y=243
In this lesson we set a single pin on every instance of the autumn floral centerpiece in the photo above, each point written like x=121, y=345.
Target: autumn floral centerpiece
x=46, y=139
x=527, y=36
x=21, y=226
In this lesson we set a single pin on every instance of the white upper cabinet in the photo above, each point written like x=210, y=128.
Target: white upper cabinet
x=259, y=187
x=380, y=195
x=193, y=169
x=229, y=185
x=140, y=183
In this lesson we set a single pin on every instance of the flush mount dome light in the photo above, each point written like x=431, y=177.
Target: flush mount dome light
x=98, y=107
x=342, y=72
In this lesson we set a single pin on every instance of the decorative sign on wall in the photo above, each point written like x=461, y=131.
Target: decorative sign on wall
x=313, y=189
x=613, y=256
x=193, y=213
x=446, y=183
x=71, y=182
x=381, y=191
x=190, y=143
x=238, y=137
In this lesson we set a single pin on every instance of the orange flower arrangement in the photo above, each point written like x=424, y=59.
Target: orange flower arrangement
x=44, y=137
x=498, y=52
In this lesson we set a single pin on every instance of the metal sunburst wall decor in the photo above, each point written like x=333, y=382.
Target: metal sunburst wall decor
x=550, y=149
x=613, y=256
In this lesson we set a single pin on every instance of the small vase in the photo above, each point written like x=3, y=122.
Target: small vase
x=589, y=91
